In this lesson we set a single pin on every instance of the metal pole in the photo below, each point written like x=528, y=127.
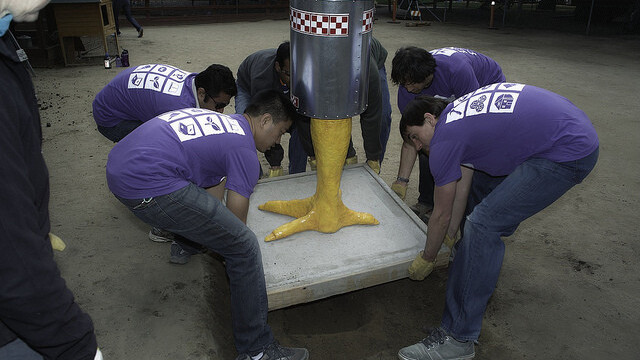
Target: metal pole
x=589, y=22
x=504, y=12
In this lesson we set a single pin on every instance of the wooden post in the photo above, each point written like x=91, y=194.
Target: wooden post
x=493, y=8
x=394, y=8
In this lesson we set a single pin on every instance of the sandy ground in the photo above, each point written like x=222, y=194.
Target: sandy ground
x=570, y=281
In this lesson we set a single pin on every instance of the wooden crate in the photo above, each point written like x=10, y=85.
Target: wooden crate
x=78, y=18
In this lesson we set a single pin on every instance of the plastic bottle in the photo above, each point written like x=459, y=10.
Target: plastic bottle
x=107, y=61
x=118, y=61
x=124, y=58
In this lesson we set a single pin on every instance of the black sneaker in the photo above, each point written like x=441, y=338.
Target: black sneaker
x=159, y=235
x=276, y=352
x=438, y=345
x=140, y=32
x=179, y=255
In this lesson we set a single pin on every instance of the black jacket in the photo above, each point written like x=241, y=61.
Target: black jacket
x=35, y=303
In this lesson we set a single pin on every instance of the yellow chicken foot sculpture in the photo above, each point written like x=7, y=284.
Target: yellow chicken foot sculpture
x=323, y=211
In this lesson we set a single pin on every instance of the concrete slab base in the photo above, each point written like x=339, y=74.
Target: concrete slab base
x=311, y=265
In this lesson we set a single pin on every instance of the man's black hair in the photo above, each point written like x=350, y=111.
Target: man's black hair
x=282, y=53
x=412, y=65
x=413, y=114
x=216, y=79
x=272, y=102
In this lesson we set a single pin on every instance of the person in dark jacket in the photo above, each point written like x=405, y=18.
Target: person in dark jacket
x=118, y=7
x=38, y=315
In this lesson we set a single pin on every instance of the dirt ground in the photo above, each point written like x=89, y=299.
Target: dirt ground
x=570, y=282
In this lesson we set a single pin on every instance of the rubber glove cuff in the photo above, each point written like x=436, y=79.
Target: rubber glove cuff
x=374, y=165
x=400, y=190
x=420, y=268
x=276, y=172
x=450, y=241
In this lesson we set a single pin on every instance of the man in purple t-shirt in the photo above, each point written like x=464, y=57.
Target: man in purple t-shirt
x=446, y=73
x=538, y=142
x=145, y=91
x=172, y=172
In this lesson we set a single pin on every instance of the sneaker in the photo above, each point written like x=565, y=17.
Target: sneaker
x=277, y=352
x=438, y=345
x=178, y=255
x=140, y=32
x=159, y=235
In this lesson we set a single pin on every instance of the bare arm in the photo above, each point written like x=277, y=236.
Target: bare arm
x=460, y=201
x=408, y=156
x=238, y=204
x=439, y=221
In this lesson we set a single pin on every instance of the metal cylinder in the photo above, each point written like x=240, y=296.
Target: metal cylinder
x=330, y=43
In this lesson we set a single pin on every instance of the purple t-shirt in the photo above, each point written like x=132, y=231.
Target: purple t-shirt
x=143, y=92
x=184, y=146
x=500, y=126
x=458, y=72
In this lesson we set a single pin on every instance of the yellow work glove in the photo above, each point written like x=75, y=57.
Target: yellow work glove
x=56, y=242
x=420, y=268
x=374, y=165
x=450, y=241
x=275, y=172
x=399, y=189
x=313, y=164
x=351, y=160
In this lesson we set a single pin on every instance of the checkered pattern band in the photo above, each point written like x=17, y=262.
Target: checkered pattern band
x=318, y=23
x=367, y=21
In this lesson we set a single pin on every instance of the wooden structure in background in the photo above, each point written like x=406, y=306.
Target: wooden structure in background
x=77, y=18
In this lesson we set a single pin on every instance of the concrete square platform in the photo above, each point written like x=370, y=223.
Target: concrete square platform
x=311, y=265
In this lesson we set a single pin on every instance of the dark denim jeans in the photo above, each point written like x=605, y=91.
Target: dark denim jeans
x=385, y=124
x=425, y=180
x=118, y=132
x=194, y=214
x=18, y=350
x=473, y=275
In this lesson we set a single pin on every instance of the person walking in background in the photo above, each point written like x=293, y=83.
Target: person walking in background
x=118, y=7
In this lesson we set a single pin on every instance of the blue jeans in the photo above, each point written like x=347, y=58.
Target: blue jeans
x=297, y=154
x=118, y=132
x=18, y=350
x=473, y=275
x=425, y=180
x=385, y=124
x=196, y=215
x=119, y=5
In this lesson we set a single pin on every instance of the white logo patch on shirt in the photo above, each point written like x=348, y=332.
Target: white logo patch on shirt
x=504, y=102
x=172, y=115
x=162, y=78
x=210, y=124
x=478, y=104
x=232, y=125
x=511, y=87
x=187, y=129
x=136, y=81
